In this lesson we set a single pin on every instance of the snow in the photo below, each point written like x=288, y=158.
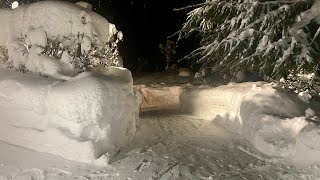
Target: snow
x=14, y=4
x=33, y=25
x=273, y=120
x=36, y=37
x=159, y=97
x=84, y=4
x=89, y=116
x=44, y=65
x=50, y=126
x=308, y=146
x=166, y=145
x=85, y=44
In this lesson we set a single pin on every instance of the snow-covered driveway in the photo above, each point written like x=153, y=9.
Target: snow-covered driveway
x=169, y=146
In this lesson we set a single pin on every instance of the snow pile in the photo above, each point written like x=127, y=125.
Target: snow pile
x=88, y=117
x=54, y=29
x=273, y=120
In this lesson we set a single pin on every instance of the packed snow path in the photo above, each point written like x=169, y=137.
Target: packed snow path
x=168, y=145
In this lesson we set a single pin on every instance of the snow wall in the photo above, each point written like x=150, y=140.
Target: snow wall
x=86, y=118
x=273, y=120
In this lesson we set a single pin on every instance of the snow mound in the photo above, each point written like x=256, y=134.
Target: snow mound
x=273, y=120
x=57, y=18
x=84, y=4
x=88, y=117
x=55, y=27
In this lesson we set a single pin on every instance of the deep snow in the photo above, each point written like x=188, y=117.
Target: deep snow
x=69, y=125
x=27, y=31
x=167, y=146
x=90, y=116
x=273, y=120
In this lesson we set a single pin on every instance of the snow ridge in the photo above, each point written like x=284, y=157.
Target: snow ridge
x=273, y=120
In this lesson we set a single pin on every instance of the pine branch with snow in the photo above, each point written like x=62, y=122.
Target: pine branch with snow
x=268, y=37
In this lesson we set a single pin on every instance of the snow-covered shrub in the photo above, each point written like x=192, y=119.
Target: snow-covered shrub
x=266, y=37
x=301, y=83
x=77, y=39
x=85, y=54
x=3, y=55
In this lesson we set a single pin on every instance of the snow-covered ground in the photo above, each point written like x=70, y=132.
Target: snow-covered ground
x=168, y=144
x=87, y=125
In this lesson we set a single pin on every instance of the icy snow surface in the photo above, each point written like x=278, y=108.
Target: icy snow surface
x=81, y=119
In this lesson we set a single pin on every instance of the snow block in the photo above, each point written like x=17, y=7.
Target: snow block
x=270, y=118
x=82, y=119
x=159, y=98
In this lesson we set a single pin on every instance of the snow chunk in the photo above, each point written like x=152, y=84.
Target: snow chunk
x=87, y=117
x=40, y=63
x=85, y=45
x=14, y=4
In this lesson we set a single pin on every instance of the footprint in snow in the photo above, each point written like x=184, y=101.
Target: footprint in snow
x=144, y=164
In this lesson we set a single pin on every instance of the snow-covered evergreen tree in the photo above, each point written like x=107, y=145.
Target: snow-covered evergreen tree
x=267, y=37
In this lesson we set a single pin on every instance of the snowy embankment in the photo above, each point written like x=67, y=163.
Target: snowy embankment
x=82, y=119
x=273, y=120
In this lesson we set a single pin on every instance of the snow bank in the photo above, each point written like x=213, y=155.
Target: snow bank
x=82, y=119
x=271, y=119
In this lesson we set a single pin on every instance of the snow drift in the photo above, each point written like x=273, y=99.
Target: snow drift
x=272, y=119
x=82, y=119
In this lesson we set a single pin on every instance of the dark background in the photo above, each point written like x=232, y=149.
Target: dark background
x=145, y=24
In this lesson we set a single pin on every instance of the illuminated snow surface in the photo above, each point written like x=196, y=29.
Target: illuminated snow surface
x=169, y=144
x=69, y=126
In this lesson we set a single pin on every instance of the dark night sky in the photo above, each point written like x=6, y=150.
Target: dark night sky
x=144, y=23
